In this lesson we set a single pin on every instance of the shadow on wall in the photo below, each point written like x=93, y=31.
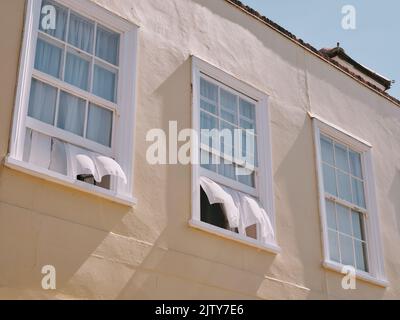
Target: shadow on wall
x=185, y=263
x=43, y=223
x=299, y=218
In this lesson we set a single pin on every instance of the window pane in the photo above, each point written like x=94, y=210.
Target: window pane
x=208, y=122
x=344, y=186
x=247, y=109
x=77, y=71
x=360, y=249
x=208, y=90
x=71, y=114
x=107, y=45
x=341, y=157
x=48, y=58
x=333, y=246
x=331, y=214
x=356, y=218
x=61, y=20
x=343, y=215
x=208, y=106
x=246, y=177
x=346, y=249
x=228, y=116
x=227, y=138
x=208, y=161
x=104, y=84
x=227, y=169
x=327, y=150
x=245, y=124
x=355, y=164
x=249, y=148
x=329, y=179
x=42, y=102
x=99, y=128
x=358, y=193
x=229, y=108
x=81, y=33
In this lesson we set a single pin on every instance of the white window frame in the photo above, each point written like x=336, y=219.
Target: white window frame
x=124, y=118
x=376, y=273
x=264, y=182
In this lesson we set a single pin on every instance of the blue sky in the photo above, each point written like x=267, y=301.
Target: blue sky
x=374, y=43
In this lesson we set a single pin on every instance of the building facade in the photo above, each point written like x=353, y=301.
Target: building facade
x=83, y=85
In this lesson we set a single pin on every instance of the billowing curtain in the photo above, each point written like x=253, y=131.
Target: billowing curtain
x=109, y=167
x=77, y=71
x=48, y=58
x=42, y=102
x=99, y=127
x=241, y=210
x=107, y=45
x=81, y=33
x=217, y=194
x=79, y=161
x=252, y=213
x=71, y=113
x=82, y=161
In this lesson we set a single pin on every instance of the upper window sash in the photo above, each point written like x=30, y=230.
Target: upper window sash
x=90, y=53
x=230, y=117
x=353, y=178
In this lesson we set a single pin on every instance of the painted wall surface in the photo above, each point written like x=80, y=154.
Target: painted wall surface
x=102, y=250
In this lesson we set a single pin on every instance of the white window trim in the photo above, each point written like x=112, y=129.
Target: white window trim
x=376, y=274
x=124, y=131
x=265, y=181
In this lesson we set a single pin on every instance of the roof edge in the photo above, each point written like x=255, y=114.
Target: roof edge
x=341, y=53
x=273, y=25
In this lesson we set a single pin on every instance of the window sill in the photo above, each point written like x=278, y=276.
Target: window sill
x=268, y=247
x=337, y=267
x=67, y=181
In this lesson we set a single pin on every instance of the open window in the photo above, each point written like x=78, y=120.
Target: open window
x=74, y=113
x=232, y=182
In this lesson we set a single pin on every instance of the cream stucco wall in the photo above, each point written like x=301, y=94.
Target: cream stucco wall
x=105, y=250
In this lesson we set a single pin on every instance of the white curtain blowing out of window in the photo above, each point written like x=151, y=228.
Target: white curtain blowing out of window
x=242, y=211
x=50, y=153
